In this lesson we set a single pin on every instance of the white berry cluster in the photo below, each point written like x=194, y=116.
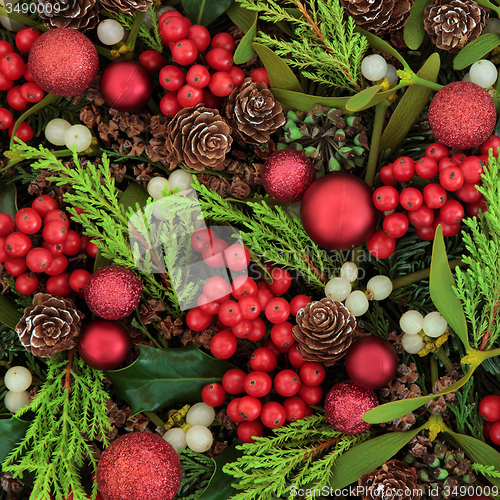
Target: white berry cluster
x=415, y=326
x=17, y=380
x=375, y=68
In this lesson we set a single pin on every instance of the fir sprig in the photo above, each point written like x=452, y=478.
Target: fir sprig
x=195, y=467
x=70, y=412
x=327, y=49
x=466, y=412
x=486, y=470
x=299, y=454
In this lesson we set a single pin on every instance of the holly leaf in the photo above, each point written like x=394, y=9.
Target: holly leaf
x=9, y=315
x=12, y=430
x=204, y=12
x=8, y=198
x=161, y=377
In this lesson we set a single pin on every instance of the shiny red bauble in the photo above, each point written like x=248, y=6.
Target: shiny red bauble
x=104, y=345
x=337, y=211
x=63, y=61
x=371, y=362
x=126, y=85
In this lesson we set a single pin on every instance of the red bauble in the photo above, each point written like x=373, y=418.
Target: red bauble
x=371, y=362
x=337, y=211
x=345, y=404
x=139, y=466
x=63, y=61
x=104, y=345
x=462, y=115
x=287, y=174
x=113, y=292
x=126, y=85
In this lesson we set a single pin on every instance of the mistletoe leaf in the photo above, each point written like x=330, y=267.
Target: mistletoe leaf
x=204, y=12
x=414, y=31
x=361, y=99
x=476, y=50
x=8, y=198
x=160, y=377
x=243, y=18
x=244, y=52
x=12, y=430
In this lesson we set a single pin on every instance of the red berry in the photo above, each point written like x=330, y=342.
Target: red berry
x=58, y=285
x=277, y=310
x=72, y=243
x=210, y=100
x=295, y=357
x=273, y=415
x=385, y=198
x=493, y=143
x=169, y=105
x=237, y=75
x=312, y=373
x=153, y=61
x=221, y=84
x=452, y=212
x=184, y=52
x=458, y=158
x=434, y=195
x=411, y=199
x=436, y=151
x=237, y=257
x=55, y=231
x=263, y=359
x=451, y=178
x=59, y=265
x=258, y=384
x=489, y=408
x=224, y=40
x=39, y=260
x=250, y=307
x=233, y=381
x=282, y=337
x=311, y=394
x=287, y=383
x=6, y=118
x=468, y=192
x=219, y=59
x=248, y=430
x=495, y=433
x=44, y=204
x=200, y=36
x=78, y=279
x=295, y=408
x=297, y=303
x=28, y=220
x=243, y=329
x=258, y=331
x=282, y=280
x=386, y=176
x=171, y=78
x=198, y=76
x=213, y=255
x=396, y=224
x=242, y=286
x=207, y=307
x=426, y=168
x=25, y=39
x=381, y=245
x=232, y=411
x=445, y=163
x=403, y=169
x=189, y=96
x=422, y=217
x=230, y=313
x=260, y=75
x=213, y=395
x=17, y=244
x=264, y=295
x=6, y=224
x=472, y=168
x=223, y=344
x=217, y=289
x=249, y=408
x=173, y=29
x=26, y=283
x=473, y=208
x=197, y=320
x=15, y=265
x=91, y=249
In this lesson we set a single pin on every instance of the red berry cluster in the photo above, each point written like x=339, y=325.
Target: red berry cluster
x=489, y=409
x=19, y=97
x=41, y=244
x=452, y=183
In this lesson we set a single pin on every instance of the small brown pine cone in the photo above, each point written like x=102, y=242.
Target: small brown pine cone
x=379, y=16
x=50, y=326
x=391, y=481
x=199, y=138
x=253, y=112
x=129, y=7
x=451, y=24
x=81, y=15
x=324, y=331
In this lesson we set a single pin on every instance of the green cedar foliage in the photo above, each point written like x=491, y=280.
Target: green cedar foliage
x=327, y=49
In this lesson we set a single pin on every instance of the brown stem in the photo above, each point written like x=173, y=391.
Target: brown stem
x=67, y=385
x=314, y=269
x=487, y=334
x=320, y=447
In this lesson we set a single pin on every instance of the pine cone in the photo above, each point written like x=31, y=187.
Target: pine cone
x=324, y=331
x=81, y=15
x=451, y=24
x=379, y=16
x=50, y=326
x=126, y=6
x=199, y=137
x=253, y=112
x=389, y=481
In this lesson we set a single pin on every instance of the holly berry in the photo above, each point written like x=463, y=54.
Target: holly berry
x=403, y=169
x=411, y=199
x=386, y=198
x=295, y=408
x=436, y=151
x=297, y=303
x=39, y=259
x=197, y=320
x=451, y=178
x=396, y=224
x=233, y=381
x=223, y=344
x=221, y=84
x=258, y=384
x=263, y=359
x=277, y=310
x=381, y=245
x=312, y=373
x=78, y=279
x=230, y=313
x=184, y=52
x=213, y=395
x=26, y=283
x=248, y=430
x=434, y=195
x=489, y=408
x=287, y=383
x=273, y=415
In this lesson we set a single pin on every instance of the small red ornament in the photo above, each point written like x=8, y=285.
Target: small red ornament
x=113, y=292
x=462, y=115
x=63, y=61
x=337, y=211
x=371, y=362
x=287, y=174
x=104, y=345
x=126, y=85
x=345, y=404
x=139, y=466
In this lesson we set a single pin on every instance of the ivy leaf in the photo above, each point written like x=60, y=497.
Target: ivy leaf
x=414, y=31
x=8, y=198
x=361, y=99
x=204, y=12
x=12, y=430
x=367, y=456
x=244, y=52
x=441, y=285
x=476, y=49
x=160, y=377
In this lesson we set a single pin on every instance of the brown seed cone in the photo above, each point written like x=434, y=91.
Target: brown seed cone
x=451, y=24
x=324, y=331
x=253, y=112
x=379, y=16
x=199, y=137
x=50, y=326
x=81, y=15
x=126, y=6
x=389, y=481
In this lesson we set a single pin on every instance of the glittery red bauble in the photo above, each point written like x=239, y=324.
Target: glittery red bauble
x=126, y=85
x=104, y=345
x=287, y=174
x=139, y=466
x=371, y=362
x=337, y=211
x=462, y=115
x=63, y=61
x=113, y=292
x=345, y=404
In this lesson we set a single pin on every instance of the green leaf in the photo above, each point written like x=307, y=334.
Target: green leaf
x=477, y=451
x=367, y=456
x=12, y=430
x=204, y=12
x=410, y=106
x=8, y=198
x=441, y=285
x=279, y=73
x=240, y=16
x=476, y=49
x=220, y=487
x=414, y=31
x=9, y=315
x=361, y=99
x=160, y=377
x=397, y=409
x=244, y=52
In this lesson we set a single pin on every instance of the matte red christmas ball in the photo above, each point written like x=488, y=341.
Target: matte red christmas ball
x=337, y=211
x=63, y=61
x=139, y=466
x=345, y=404
x=126, y=85
x=287, y=174
x=113, y=292
x=104, y=345
x=371, y=362
x=462, y=115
